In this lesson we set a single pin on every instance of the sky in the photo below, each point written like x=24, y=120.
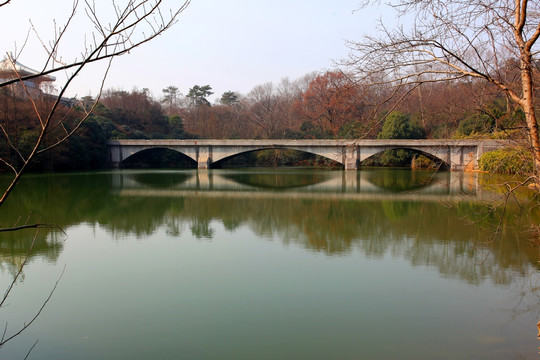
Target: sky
x=231, y=45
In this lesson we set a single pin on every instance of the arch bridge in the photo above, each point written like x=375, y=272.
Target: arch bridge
x=457, y=154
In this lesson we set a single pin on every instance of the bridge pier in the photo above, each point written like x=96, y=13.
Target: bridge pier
x=203, y=165
x=204, y=157
x=351, y=157
x=464, y=158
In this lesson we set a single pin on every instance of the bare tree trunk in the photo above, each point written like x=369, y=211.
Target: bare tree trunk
x=527, y=103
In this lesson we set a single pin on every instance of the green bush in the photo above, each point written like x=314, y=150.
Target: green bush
x=353, y=130
x=423, y=162
x=476, y=124
x=507, y=161
x=500, y=135
x=400, y=126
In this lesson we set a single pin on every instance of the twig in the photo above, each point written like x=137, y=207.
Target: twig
x=31, y=226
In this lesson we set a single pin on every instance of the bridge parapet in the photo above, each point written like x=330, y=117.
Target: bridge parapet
x=458, y=154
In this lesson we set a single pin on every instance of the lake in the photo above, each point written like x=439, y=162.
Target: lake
x=269, y=264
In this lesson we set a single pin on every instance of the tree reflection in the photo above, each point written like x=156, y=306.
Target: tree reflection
x=201, y=229
x=396, y=210
x=424, y=233
x=14, y=247
x=400, y=181
x=158, y=180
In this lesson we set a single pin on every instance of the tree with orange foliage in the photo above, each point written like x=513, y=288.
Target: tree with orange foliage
x=331, y=101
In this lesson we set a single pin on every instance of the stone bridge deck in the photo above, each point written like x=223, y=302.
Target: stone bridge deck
x=457, y=154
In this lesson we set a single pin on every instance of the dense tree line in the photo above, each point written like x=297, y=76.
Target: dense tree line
x=318, y=105
x=334, y=105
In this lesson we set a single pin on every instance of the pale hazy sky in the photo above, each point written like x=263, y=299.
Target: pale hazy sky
x=229, y=45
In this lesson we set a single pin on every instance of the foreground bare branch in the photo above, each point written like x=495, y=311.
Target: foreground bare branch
x=137, y=23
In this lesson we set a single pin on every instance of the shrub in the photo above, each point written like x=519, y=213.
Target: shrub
x=400, y=126
x=476, y=124
x=507, y=161
x=423, y=162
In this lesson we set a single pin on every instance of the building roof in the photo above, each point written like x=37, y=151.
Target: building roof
x=7, y=67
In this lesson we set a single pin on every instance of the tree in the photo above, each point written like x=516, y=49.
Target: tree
x=289, y=94
x=136, y=111
x=170, y=97
x=177, y=127
x=399, y=126
x=198, y=95
x=490, y=41
x=440, y=107
x=263, y=109
x=229, y=98
x=331, y=101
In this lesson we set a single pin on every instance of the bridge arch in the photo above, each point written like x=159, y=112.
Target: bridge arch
x=159, y=157
x=217, y=161
x=440, y=157
x=219, y=156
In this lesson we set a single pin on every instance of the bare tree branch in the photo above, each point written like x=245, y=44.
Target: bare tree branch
x=32, y=348
x=451, y=41
x=36, y=315
x=118, y=38
x=110, y=41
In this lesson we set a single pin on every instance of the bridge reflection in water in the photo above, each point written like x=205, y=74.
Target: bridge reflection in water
x=368, y=185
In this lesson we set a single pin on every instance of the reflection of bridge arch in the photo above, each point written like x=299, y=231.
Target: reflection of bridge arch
x=459, y=154
x=455, y=184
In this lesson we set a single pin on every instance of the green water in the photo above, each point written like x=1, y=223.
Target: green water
x=269, y=264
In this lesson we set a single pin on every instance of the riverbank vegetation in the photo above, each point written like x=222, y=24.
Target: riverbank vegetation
x=366, y=98
x=316, y=106
x=507, y=161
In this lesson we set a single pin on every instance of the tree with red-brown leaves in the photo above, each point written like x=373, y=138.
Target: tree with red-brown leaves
x=137, y=111
x=331, y=101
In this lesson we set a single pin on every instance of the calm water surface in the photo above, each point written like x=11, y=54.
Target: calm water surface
x=269, y=264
